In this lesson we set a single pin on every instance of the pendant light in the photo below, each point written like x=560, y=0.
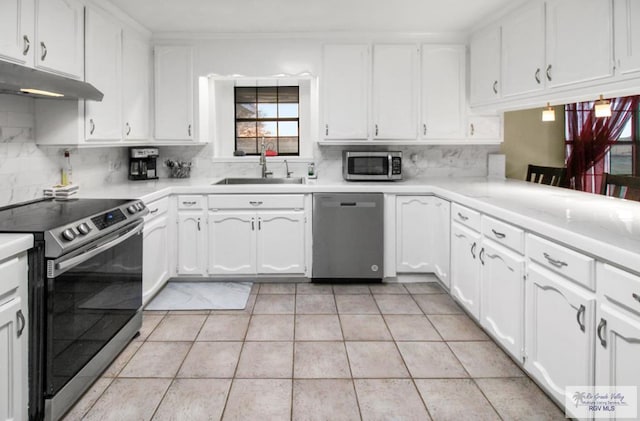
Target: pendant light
x=548, y=114
x=603, y=107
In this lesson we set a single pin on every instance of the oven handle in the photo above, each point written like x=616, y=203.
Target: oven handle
x=61, y=266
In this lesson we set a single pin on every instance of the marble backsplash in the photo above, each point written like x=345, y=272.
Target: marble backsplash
x=26, y=169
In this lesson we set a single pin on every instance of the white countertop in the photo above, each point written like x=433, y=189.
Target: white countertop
x=603, y=227
x=12, y=244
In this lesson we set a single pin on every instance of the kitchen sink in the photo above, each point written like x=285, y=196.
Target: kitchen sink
x=243, y=180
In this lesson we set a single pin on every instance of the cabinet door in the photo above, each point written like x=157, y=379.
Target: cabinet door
x=136, y=84
x=281, y=242
x=559, y=325
x=483, y=127
x=440, y=237
x=523, y=61
x=617, y=348
x=16, y=31
x=232, y=242
x=60, y=37
x=395, y=91
x=155, y=260
x=579, y=41
x=103, y=54
x=174, y=93
x=12, y=354
x=485, y=66
x=627, y=35
x=465, y=276
x=191, y=243
x=346, y=70
x=414, y=252
x=502, y=304
x=443, y=91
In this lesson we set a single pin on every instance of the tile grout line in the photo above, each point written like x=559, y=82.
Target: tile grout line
x=293, y=350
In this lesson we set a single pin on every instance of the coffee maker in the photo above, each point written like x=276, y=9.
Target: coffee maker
x=142, y=163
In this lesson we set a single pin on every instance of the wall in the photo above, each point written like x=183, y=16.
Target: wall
x=26, y=169
x=529, y=140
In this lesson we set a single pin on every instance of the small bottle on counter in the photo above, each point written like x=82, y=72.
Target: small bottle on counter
x=311, y=171
x=67, y=171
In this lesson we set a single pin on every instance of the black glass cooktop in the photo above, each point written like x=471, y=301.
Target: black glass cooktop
x=48, y=214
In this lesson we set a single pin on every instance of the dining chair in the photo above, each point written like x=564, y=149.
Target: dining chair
x=551, y=176
x=621, y=186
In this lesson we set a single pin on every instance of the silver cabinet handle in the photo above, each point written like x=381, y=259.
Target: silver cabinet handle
x=473, y=129
x=189, y=203
x=198, y=224
x=189, y=130
x=554, y=262
x=154, y=211
x=259, y=224
x=580, y=317
x=498, y=234
x=21, y=322
x=376, y=130
x=537, y=76
x=128, y=126
x=461, y=216
x=601, y=326
x=43, y=46
x=253, y=224
x=473, y=250
x=255, y=203
x=636, y=297
x=495, y=87
x=424, y=129
x=27, y=45
x=93, y=126
x=326, y=130
x=549, y=67
x=480, y=256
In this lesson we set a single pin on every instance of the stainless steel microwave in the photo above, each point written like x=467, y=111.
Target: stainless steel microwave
x=372, y=166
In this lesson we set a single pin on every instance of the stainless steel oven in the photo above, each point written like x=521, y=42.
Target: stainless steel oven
x=371, y=166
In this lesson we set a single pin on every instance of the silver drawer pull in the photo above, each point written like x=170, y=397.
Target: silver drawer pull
x=461, y=216
x=556, y=263
x=154, y=211
x=189, y=203
x=255, y=203
x=636, y=297
x=580, y=317
x=498, y=234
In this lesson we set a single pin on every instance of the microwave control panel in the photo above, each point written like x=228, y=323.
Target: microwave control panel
x=396, y=165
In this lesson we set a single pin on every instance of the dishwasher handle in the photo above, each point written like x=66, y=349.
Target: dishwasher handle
x=348, y=203
x=337, y=204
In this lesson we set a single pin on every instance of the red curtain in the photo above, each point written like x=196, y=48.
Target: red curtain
x=589, y=139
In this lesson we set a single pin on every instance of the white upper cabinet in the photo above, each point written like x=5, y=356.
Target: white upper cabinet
x=136, y=72
x=59, y=37
x=523, y=54
x=579, y=41
x=485, y=66
x=103, y=54
x=346, y=91
x=174, y=93
x=443, y=98
x=16, y=31
x=627, y=35
x=395, y=91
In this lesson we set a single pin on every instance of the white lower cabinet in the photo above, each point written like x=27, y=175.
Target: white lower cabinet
x=280, y=242
x=465, y=264
x=232, y=245
x=502, y=296
x=192, y=243
x=559, y=326
x=422, y=235
x=155, y=268
x=13, y=338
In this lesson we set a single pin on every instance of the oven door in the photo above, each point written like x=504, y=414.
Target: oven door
x=367, y=166
x=92, y=294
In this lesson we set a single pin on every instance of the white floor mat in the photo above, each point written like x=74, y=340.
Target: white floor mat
x=181, y=295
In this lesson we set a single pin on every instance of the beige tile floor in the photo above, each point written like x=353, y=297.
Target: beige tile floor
x=317, y=352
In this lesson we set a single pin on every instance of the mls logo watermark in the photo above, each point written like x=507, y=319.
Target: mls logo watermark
x=617, y=402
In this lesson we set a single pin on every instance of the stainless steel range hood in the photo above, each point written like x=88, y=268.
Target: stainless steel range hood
x=20, y=80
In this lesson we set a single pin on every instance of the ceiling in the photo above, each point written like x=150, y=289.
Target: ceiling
x=304, y=16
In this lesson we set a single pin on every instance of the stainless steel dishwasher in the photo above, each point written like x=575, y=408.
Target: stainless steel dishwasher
x=348, y=236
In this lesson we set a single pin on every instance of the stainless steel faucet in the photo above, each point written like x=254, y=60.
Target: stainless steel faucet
x=286, y=164
x=263, y=161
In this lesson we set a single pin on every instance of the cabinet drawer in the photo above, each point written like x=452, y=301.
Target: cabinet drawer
x=260, y=201
x=12, y=273
x=503, y=233
x=191, y=202
x=157, y=208
x=619, y=286
x=465, y=216
x=571, y=264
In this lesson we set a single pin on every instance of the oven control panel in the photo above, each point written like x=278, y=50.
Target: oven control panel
x=108, y=219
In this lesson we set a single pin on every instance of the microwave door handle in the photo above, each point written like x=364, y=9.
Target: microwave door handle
x=390, y=165
x=62, y=265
